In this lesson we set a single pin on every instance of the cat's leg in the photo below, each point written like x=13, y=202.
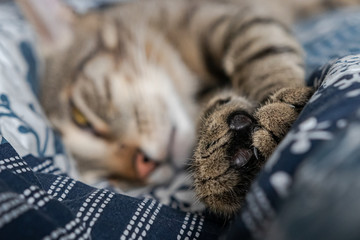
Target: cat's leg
x=264, y=65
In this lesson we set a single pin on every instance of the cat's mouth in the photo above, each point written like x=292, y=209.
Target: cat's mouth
x=145, y=165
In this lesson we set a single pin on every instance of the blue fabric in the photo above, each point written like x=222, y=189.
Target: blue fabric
x=40, y=198
x=329, y=37
x=49, y=206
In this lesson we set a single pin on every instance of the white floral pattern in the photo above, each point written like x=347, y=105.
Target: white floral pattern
x=281, y=181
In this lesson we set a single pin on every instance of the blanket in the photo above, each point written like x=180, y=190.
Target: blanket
x=39, y=190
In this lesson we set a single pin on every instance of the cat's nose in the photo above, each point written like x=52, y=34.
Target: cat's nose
x=144, y=165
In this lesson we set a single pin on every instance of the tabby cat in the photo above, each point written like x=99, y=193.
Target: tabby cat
x=124, y=85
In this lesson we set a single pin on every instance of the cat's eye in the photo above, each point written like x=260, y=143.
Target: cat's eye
x=80, y=120
x=79, y=117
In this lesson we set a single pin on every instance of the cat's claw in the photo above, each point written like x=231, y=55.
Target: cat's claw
x=256, y=153
x=292, y=106
x=256, y=129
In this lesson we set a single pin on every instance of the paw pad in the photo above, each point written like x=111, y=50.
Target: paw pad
x=239, y=122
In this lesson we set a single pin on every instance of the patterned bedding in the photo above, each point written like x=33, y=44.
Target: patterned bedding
x=40, y=195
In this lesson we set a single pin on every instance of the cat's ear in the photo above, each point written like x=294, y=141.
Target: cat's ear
x=52, y=21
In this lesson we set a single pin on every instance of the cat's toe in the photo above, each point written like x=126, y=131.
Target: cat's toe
x=276, y=117
x=274, y=121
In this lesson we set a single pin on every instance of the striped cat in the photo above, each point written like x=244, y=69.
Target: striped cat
x=124, y=85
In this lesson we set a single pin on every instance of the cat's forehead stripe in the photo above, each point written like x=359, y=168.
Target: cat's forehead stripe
x=109, y=35
x=107, y=89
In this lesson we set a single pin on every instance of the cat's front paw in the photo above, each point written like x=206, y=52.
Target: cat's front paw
x=276, y=117
x=234, y=141
x=225, y=161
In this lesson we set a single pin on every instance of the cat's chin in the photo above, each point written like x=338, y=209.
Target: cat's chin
x=162, y=174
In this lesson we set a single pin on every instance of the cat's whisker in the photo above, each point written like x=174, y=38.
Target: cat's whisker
x=292, y=106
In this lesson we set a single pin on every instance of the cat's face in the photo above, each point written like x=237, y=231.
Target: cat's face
x=123, y=107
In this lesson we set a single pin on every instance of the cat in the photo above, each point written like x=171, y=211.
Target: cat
x=135, y=86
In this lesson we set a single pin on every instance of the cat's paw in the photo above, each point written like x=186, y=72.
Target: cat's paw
x=234, y=141
x=275, y=118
